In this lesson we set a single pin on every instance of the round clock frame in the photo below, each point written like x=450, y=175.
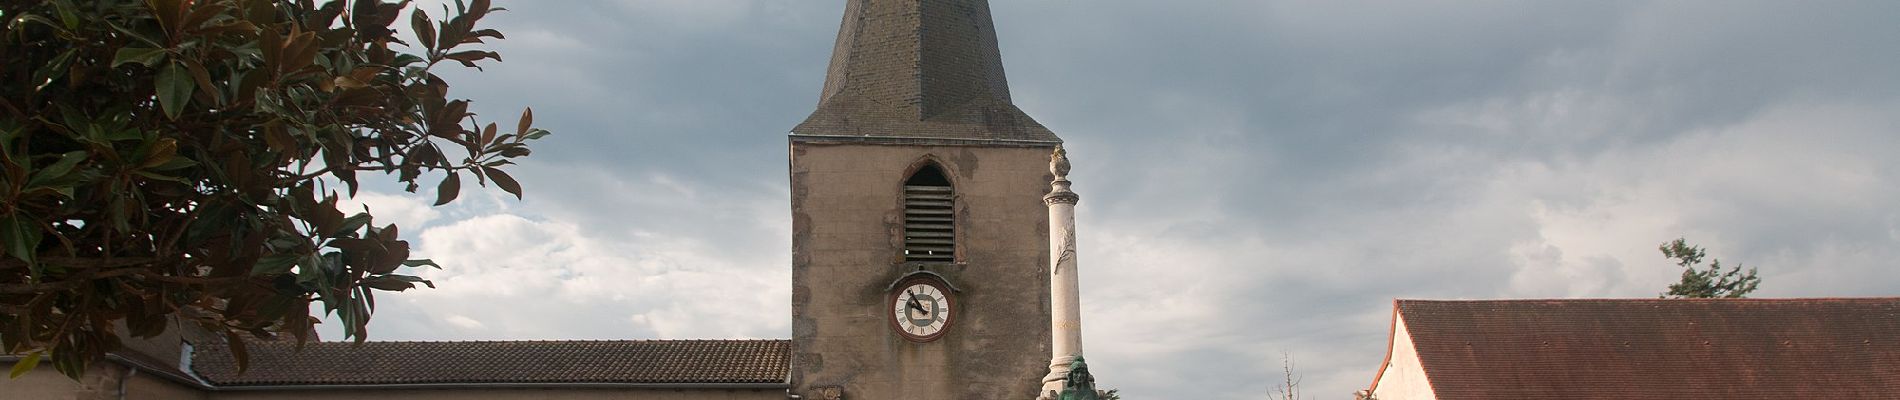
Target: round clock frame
x=899, y=298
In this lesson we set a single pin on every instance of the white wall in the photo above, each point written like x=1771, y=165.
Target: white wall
x=1403, y=378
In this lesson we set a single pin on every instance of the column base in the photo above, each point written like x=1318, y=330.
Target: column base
x=1058, y=374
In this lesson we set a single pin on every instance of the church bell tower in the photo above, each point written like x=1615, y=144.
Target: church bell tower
x=920, y=238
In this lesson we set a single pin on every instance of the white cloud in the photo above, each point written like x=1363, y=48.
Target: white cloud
x=1258, y=177
x=463, y=322
x=408, y=211
x=540, y=270
x=542, y=279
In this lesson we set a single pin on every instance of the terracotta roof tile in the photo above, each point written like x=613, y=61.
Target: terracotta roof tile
x=507, y=362
x=1658, y=349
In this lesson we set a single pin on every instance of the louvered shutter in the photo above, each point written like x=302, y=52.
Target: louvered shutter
x=929, y=225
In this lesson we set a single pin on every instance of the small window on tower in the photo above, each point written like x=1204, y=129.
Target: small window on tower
x=929, y=225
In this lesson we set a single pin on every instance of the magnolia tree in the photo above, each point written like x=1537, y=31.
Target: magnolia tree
x=180, y=160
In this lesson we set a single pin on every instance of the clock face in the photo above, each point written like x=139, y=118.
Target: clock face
x=920, y=310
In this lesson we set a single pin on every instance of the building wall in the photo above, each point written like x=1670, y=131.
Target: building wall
x=506, y=394
x=101, y=383
x=846, y=239
x=1403, y=377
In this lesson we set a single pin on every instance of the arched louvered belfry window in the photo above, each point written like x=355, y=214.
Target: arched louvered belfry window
x=929, y=220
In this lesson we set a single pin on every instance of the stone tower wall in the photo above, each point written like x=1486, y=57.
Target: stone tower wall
x=847, y=224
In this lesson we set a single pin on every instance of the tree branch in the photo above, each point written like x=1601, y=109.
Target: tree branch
x=26, y=288
x=190, y=280
x=387, y=168
x=17, y=114
x=80, y=262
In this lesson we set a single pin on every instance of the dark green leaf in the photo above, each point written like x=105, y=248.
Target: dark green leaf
x=122, y=134
x=71, y=363
x=421, y=262
x=134, y=35
x=356, y=245
x=275, y=264
x=285, y=244
x=408, y=279
x=175, y=163
x=203, y=78
x=469, y=57
x=405, y=59
x=66, y=13
x=35, y=18
x=507, y=183
x=116, y=213
x=450, y=187
x=212, y=221
x=388, y=284
x=310, y=272
x=141, y=55
x=52, y=70
x=395, y=253
x=486, y=33
x=59, y=169
x=351, y=224
x=155, y=176
x=425, y=31
x=174, y=89
x=20, y=237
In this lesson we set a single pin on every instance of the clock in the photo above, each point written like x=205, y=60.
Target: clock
x=921, y=309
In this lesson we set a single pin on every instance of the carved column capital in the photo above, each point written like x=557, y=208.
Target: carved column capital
x=1059, y=162
x=1061, y=195
x=1059, y=192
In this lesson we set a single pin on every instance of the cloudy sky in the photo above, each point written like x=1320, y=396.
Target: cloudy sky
x=1259, y=178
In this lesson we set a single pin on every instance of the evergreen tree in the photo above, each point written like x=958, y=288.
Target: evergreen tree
x=1713, y=282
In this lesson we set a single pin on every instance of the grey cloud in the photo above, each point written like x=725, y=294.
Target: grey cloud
x=1260, y=176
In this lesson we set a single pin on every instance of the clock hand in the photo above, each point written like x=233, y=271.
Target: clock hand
x=914, y=304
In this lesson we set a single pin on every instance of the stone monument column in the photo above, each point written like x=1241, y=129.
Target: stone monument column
x=1065, y=300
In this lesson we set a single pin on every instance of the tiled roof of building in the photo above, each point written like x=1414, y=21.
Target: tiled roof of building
x=922, y=70
x=1658, y=348
x=659, y=362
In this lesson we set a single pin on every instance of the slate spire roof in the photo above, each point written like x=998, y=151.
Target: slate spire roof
x=926, y=69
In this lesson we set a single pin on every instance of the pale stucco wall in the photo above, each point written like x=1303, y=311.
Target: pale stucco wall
x=1403, y=378
x=102, y=383
x=45, y=383
x=506, y=394
x=846, y=225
